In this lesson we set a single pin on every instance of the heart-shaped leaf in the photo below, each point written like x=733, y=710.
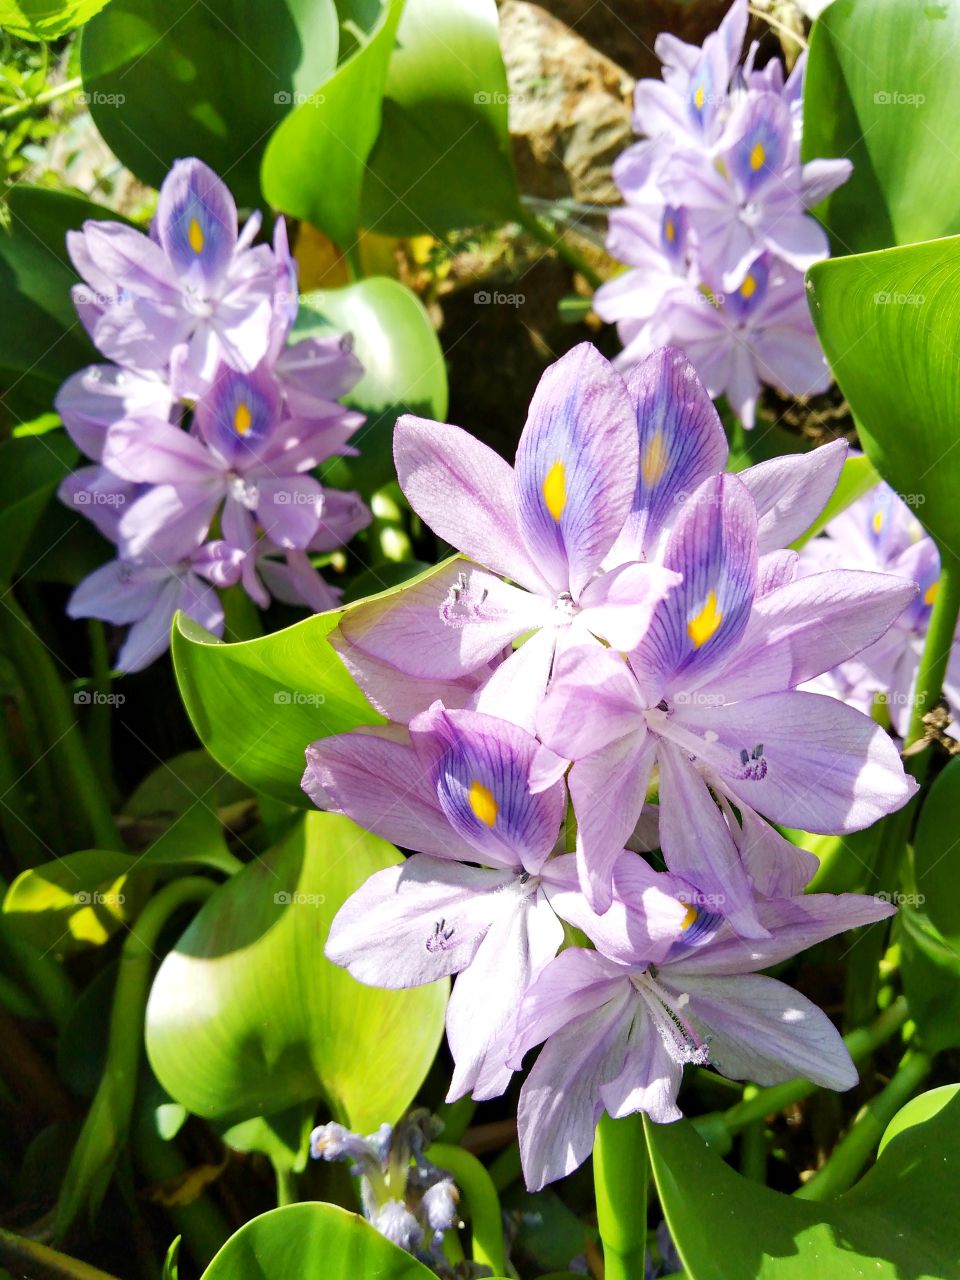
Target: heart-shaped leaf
x=170, y=78
x=889, y=1226
x=314, y=164
x=443, y=157
x=312, y=1242
x=879, y=93
x=246, y=1016
x=899, y=312
x=404, y=370
x=31, y=468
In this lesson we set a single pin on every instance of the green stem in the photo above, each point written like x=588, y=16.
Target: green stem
x=101, y=714
x=938, y=644
x=861, y=1044
x=506, y=1168
x=108, y=1120
x=753, y=1145
x=456, y=1118
x=854, y=1150
x=620, y=1172
x=287, y=1191
x=482, y=1203
x=40, y=682
x=17, y=109
x=26, y=1257
x=546, y=232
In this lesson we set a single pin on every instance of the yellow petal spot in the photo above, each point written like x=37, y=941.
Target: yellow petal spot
x=749, y=287
x=930, y=595
x=690, y=918
x=484, y=807
x=705, y=624
x=195, y=236
x=758, y=157
x=877, y=521
x=555, y=490
x=654, y=460
x=670, y=231
x=699, y=98
x=242, y=419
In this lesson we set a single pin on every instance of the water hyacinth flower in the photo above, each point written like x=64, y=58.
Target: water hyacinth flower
x=880, y=532
x=403, y=1194
x=618, y=1035
x=715, y=231
x=209, y=421
x=474, y=790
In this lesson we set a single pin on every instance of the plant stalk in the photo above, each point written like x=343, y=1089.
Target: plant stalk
x=620, y=1173
x=546, y=232
x=482, y=1203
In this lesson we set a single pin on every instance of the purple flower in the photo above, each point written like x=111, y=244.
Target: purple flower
x=880, y=533
x=212, y=416
x=618, y=1035
x=464, y=789
x=145, y=594
x=715, y=231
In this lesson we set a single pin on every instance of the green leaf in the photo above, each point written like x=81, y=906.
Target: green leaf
x=930, y=967
x=41, y=338
x=31, y=468
x=314, y=163
x=404, y=370
x=170, y=1269
x=79, y=899
x=247, y=1017
x=936, y=853
x=856, y=478
x=890, y=1225
x=878, y=92
x=257, y=705
x=443, y=158
x=173, y=78
x=890, y=326
x=284, y=1138
x=312, y=1241
x=45, y=19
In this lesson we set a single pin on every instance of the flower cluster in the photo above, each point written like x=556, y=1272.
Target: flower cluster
x=406, y=1197
x=623, y=622
x=880, y=532
x=714, y=231
x=205, y=426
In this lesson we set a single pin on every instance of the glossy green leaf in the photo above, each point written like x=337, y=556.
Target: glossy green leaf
x=31, y=468
x=257, y=705
x=890, y=326
x=879, y=91
x=173, y=78
x=170, y=1269
x=930, y=967
x=889, y=1226
x=312, y=1242
x=247, y=1017
x=404, y=370
x=936, y=852
x=284, y=1138
x=314, y=163
x=443, y=158
x=46, y=19
x=41, y=339
x=81, y=898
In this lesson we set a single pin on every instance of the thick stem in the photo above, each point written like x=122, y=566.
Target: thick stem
x=287, y=1190
x=938, y=644
x=854, y=1150
x=17, y=109
x=546, y=232
x=620, y=1171
x=482, y=1203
